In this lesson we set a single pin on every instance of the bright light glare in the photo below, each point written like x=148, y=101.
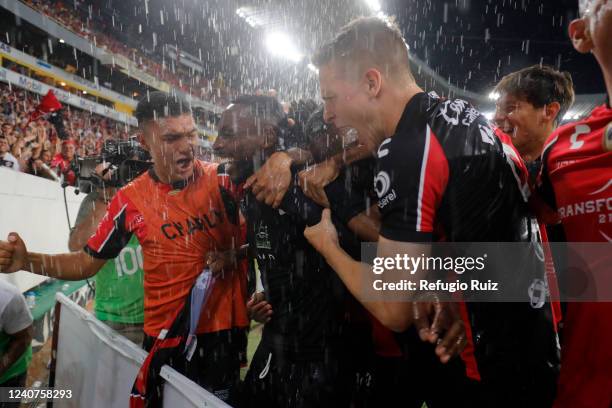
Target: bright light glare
x=494, y=96
x=280, y=44
x=374, y=5
x=313, y=68
x=489, y=115
x=61, y=40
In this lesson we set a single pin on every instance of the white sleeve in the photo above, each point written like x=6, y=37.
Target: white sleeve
x=16, y=315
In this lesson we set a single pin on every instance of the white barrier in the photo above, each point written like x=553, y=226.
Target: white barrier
x=100, y=366
x=34, y=207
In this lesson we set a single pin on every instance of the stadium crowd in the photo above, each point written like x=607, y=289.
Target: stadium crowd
x=33, y=146
x=98, y=32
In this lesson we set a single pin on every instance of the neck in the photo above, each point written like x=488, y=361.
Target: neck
x=396, y=105
x=534, y=150
x=239, y=171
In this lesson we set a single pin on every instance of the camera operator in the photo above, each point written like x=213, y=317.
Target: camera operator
x=119, y=296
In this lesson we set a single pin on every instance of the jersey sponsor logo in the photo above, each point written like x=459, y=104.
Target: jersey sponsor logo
x=191, y=225
x=382, y=152
x=382, y=182
x=579, y=130
x=586, y=207
x=451, y=110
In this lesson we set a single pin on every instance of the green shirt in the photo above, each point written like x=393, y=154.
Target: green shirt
x=119, y=287
x=20, y=366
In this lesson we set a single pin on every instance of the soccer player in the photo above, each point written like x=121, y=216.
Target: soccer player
x=531, y=104
x=444, y=174
x=300, y=360
x=177, y=212
x=576, y=174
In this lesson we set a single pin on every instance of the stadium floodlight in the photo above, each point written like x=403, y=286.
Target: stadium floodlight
x=61, y=40
x=374, y=5
x=280, y=44
x=489, y=115
x=313, y=68
x=494, y=95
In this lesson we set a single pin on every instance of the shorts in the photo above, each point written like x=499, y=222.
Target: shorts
x=278, y=379
x=215, y=364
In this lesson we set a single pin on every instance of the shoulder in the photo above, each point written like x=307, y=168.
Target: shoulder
x=207, y=168
x=8, y=294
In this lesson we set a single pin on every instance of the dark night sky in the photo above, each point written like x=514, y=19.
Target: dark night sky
x=472, y=43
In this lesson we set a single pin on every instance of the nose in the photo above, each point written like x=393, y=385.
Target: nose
x=219, y=144
x=328, y=115
x=499, y=118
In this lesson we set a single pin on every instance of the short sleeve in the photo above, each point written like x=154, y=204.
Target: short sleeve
x=410, y=183
x=113, y=233
x=16, y=315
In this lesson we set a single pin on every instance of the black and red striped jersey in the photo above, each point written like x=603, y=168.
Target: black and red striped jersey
x=448, y=175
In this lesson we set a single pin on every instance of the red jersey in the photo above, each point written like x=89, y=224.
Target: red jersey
x=64, y=168
x=177, y=226
x=576, y=179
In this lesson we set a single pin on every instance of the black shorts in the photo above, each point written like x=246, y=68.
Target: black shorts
x=279, y=379
x=215, y=364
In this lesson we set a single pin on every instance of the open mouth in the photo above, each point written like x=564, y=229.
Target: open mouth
x=184, y=163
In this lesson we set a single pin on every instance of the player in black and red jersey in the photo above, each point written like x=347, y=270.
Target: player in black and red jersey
x=576, y=180
x=444, y=174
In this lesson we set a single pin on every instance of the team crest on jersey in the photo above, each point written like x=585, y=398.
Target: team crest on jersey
x=538, y=291
x=262, y=237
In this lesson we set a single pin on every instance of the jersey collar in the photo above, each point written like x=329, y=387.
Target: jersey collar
x=177, y=185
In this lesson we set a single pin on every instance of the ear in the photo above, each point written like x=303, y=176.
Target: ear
x=270, y=136
x=373, y=82
x=551, y=111
x=580, y=35
x=142, y=140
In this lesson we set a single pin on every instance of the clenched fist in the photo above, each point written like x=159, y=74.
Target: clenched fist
x=13, y=254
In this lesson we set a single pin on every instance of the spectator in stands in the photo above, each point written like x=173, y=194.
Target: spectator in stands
x=62, y=163
x=6, y=158
x=15, y=338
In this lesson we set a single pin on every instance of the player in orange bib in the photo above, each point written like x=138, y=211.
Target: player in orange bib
x=177, y=211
